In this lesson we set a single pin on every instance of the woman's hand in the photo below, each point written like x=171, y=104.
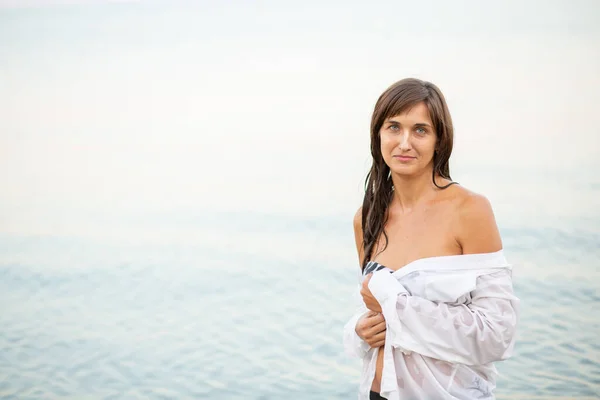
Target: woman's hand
x=371, y=328
x=370, y=301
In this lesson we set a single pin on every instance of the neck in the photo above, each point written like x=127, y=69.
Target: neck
x=410, y=191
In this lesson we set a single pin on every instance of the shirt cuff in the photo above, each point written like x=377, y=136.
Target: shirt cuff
x=353, y=344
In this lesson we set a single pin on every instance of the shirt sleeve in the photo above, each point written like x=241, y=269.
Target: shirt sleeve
x=475, y=333
x=354, y=346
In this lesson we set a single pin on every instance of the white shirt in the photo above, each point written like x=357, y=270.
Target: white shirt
x=448, y=319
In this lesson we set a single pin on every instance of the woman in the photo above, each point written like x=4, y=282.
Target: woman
x=437, y=305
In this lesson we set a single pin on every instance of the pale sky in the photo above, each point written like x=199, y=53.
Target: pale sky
x=137, y=108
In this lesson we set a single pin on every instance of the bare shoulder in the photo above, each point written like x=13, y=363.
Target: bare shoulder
x=469, y=203
x=477, y=231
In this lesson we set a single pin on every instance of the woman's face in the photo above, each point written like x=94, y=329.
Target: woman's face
x=408, y=141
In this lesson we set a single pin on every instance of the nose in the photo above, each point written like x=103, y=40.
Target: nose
x=404, y=141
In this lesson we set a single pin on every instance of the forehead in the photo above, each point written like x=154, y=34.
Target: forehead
x=416, y=113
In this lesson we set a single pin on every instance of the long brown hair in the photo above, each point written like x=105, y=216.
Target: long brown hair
x=378, y=184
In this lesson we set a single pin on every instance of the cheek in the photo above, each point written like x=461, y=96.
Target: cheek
x=386, y=143
x=387, y=149
x=427, y=147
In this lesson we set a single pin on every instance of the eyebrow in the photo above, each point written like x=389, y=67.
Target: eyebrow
x=392, y=121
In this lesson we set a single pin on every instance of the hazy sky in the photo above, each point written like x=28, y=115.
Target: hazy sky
x=114, y=109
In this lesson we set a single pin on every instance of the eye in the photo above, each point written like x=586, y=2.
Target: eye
x=394, y=127
x=420, y=130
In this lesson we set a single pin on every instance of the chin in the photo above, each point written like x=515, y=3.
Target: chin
x=405, y=171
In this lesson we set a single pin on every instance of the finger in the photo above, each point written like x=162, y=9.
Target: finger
x=375, y=315
x=379, y=336
x=362, y=326
x=372, y=340
x=377, y=344
x=379, y=317
x=375, y=320
x=375, y=330
x=371, y=331
x=379, y=327
x=366, y=321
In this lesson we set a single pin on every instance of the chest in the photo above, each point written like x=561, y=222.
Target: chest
x=426, y=233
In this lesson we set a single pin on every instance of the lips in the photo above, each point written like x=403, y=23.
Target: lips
x=404, y=158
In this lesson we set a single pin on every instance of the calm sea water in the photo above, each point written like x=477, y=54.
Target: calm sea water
x=252, y=307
